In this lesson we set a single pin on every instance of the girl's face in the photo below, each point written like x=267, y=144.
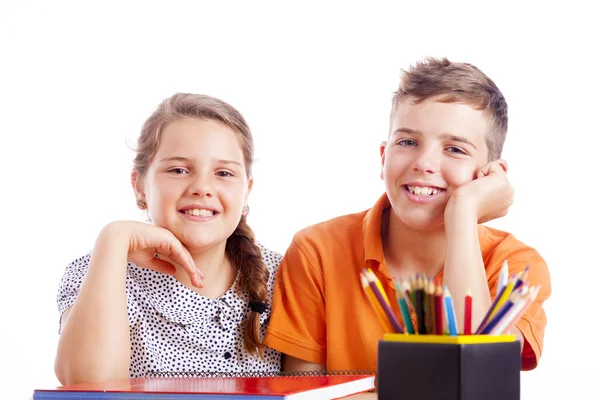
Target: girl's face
x=197, y=186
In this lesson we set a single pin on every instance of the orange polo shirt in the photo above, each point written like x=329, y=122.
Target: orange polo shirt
x=321, y=314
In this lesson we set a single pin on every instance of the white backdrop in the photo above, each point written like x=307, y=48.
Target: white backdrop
x=314, y=81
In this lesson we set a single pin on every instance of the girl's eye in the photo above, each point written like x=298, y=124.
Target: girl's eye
x=178, y=171
x=407, y=142
x=456, y=150
x=224, y=173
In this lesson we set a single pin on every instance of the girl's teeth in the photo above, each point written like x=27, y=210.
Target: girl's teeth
x=199, y=213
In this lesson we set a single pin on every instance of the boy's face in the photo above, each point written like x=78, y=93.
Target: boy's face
x=433, y=148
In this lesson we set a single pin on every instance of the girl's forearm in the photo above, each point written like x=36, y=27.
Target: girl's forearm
x=94, y=344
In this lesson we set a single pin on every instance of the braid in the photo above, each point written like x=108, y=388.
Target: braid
x=246, y=256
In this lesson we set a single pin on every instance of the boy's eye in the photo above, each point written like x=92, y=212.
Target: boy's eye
x=178, y=171
x=406, y=142
x=456, y=150
x=224, y=173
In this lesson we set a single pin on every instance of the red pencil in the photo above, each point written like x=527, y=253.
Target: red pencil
x=468, y=312
x=439, y=309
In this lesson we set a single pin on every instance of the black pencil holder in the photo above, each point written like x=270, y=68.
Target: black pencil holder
x=426, y=370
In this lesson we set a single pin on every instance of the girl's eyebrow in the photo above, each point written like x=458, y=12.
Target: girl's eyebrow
x=175, y=159
x=184, y=159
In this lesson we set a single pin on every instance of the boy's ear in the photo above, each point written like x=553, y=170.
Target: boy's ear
x=382, y=156
x=503, y=164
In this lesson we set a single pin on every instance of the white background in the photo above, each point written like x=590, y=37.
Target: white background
x=314, y=81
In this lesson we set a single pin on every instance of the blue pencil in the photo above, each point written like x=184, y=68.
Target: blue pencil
x=450, y=313
x=501, y=313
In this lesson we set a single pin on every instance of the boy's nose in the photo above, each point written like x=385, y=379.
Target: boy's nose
x=426, y=162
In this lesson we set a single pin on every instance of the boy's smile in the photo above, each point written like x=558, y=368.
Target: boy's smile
x=422, y=193
x=433, y=148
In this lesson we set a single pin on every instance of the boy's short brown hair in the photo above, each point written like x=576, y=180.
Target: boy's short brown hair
x=456, y=82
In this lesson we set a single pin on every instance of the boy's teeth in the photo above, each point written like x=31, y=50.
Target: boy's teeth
x=422, y=190
x=199, y=212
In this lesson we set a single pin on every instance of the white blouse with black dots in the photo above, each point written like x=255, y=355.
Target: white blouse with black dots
x=174, y=329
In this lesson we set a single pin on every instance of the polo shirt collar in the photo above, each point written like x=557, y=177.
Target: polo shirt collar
x=372, y=231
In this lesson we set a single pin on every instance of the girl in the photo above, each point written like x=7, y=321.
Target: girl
x=189, y=292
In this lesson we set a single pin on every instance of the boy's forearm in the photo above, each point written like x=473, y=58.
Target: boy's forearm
x=94, y=343
x=463, y=268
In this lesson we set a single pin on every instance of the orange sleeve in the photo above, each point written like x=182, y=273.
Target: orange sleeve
x=297, y=325
x=533, y=322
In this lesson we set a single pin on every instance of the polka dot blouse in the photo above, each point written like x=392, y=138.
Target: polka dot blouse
x=174, y=329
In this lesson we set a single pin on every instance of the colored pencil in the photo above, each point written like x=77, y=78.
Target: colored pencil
x=509, y=288
x=521, y=278
x=372, y=279
x=404, y=287
x=406, y=315
x=530, y=298
x=413, y=287
x=495, y=303
x=506, y=321
x=419, y=304
x=439, y=310
x=468, y=313
x=371, y=276
x=506, y=307
x=450, y=313
x=503, y=278
x=429, y=307
x=387, y=326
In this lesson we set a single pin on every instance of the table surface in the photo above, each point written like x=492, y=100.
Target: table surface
x=362, y=396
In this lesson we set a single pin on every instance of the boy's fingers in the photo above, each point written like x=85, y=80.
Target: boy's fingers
x=496, y=168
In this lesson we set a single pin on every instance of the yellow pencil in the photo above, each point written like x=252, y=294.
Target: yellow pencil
x=373, y=277
x=505, y=295
x=385, y=323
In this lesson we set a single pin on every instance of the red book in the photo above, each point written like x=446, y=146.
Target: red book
x=273, y=387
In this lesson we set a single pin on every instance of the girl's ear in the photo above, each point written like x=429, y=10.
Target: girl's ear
x=250, y=185
x=138, y=186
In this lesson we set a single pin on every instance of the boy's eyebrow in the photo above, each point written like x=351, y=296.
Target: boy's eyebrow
x=184, y=159
x=229, y=162
x=449, y=136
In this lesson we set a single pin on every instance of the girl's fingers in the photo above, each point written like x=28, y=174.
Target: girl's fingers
x=174, y=250
x=162, y=266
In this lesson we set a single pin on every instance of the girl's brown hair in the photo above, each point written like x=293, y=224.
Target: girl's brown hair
x=458, y=83
x=241, y=247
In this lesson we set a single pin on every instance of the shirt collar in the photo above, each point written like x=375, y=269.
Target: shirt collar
x=372, y=231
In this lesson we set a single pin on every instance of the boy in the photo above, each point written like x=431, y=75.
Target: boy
x=443, y=177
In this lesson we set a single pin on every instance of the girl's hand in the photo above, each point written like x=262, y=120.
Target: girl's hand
x=145, y=241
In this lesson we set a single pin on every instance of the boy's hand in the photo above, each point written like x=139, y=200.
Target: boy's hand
x=489, y=195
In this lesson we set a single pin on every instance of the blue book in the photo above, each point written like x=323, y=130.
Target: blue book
x=293, y=387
